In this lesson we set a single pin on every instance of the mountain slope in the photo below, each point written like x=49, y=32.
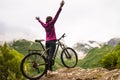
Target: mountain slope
x=93, y=57
x=23, y=45
x=114, y=41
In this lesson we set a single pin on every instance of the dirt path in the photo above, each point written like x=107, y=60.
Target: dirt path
x=84, y=74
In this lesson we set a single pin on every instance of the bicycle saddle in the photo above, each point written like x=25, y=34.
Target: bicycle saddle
x=39, y=40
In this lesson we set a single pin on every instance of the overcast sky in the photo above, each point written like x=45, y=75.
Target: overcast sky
x=81, y=20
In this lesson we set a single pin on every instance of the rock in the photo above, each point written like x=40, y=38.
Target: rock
x=84, y=74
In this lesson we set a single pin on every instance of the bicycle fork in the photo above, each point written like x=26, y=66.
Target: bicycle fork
x=67, y=54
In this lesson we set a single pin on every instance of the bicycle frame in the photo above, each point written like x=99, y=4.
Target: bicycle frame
x=58, y=44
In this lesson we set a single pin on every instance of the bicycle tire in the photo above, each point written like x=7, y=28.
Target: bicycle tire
x=69, y=62
x=33, y=66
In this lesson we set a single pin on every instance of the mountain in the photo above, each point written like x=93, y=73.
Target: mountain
x=83, y=48
x=108, y=54
x=114, y=41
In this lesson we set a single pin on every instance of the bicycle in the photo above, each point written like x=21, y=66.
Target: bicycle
x=34, y=65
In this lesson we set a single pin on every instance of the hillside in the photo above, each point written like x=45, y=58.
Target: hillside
x=87, y=68
x=84, y=74
x=94, y=52
x=94, y=56
x=91, y=60
x=86, y=45
x=23, y=46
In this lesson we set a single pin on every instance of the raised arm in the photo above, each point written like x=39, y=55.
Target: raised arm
x=58, y=12
x=38, y=19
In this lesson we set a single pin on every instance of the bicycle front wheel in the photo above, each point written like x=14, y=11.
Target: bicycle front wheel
x=33, y=66
x=69, y=57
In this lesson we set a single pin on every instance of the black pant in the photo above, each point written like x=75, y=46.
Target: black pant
x=51, y=45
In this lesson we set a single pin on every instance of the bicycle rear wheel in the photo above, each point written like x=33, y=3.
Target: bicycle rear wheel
x=69, y=57
x=33, y=66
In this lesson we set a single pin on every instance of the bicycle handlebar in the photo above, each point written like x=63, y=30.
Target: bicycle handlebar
x=62, y=37
x=57, y=39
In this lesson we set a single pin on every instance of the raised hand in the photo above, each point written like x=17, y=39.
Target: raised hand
x=62, y=3
x=37, y=18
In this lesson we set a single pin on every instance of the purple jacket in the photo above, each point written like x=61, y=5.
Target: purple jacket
x=49, y=27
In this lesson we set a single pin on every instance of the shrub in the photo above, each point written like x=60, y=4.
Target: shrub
x=10, y=63
x=112, y=59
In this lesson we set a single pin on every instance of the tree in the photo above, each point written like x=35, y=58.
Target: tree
x=10, y=63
